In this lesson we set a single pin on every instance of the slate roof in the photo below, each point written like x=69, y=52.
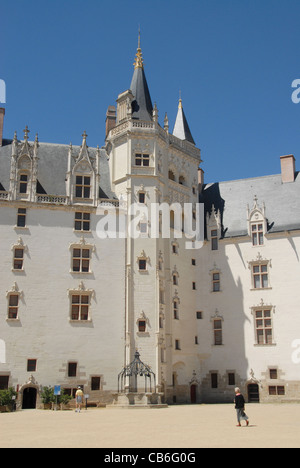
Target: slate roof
x=282, y=202
x=52, y=168
x=142, y=107
x=181, y=127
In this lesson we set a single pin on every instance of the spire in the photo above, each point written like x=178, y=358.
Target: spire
x=139, y=62
x=181, y=128
x=142, y=108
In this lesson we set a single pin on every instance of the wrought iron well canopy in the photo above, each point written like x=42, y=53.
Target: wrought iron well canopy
x=134, y=370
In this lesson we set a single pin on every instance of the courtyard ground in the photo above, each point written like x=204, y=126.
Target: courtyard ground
x=175, y=427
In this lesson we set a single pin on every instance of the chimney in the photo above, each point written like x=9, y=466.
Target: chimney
x=111, y=118
x=288, y=168
x=2, y=113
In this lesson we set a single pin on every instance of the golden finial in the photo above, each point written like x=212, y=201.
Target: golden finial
x=139, y=62
x=180, y=100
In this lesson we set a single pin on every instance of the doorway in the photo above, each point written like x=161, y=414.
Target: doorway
x=193, y=394
x=253, y=393
x=29, y=398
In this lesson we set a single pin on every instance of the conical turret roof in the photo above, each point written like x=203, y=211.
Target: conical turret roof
x=142, y=107
x=181, y=128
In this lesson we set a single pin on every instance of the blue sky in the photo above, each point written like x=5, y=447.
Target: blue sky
x=64, y=62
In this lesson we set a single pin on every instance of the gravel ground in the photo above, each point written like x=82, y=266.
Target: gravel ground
x=175, y=427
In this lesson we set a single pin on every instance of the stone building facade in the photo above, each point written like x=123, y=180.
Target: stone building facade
x=91, y=272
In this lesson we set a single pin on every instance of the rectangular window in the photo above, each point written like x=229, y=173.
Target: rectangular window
x=95, y=383
x=23, y=183
x=72, y=369
x=142, y=326
x=273, y=374
x=214, y=380
x=177, y=344
x=4, y=379
x=80, y=307
x=142, y=197
x=218, y=332
x=216, y=282
x=81, y=260
x=231, y=378
x=175, y=310
x=13, y=305
x=199, y=315
x=21, y=218
x=214, y=239
x=263, y=327
x=18, y=259
x=142, y=160
x=82, y=221
x=193, y=261
x=257, y=234
x=279, y=390
x=142, y=264
x=193, y=285
x=83, y=187
x=31, y=365
x=260, y=276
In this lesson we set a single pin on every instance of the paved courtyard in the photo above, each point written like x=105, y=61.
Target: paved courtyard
x=175, y=427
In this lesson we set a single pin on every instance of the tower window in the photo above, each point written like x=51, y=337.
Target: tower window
x=142, y=326
x=142, y=159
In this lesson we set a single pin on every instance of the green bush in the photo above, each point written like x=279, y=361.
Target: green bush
x=6, y=397
x=47, y=396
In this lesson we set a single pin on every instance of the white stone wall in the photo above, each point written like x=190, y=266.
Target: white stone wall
x=43, y=330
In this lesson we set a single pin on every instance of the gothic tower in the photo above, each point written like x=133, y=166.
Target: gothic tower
x=150, y=166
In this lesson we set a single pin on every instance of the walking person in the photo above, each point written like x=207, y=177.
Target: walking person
x=240, y=408
x=79, y=399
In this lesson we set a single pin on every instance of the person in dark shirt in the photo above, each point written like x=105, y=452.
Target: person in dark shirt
x=240, y=408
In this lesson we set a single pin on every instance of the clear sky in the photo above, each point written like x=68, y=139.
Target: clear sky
x=65, y=61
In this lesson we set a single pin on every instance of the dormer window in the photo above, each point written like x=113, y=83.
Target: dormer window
x=23, y=183
x=257, y=231
x=83, y=187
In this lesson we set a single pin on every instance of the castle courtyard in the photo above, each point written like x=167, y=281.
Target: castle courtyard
x=174, y=428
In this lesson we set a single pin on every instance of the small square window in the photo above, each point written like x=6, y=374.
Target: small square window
x=142, y=326
x=142, y=264
x=82, y=221
x=31, y=365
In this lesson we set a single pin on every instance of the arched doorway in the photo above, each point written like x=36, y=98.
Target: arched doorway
x=253, y=393
x=29, y=398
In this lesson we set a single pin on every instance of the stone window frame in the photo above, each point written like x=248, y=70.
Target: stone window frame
x=18, y=246
x=81, y=245
x=14, y=291
x=260, y=262
x=263, y=308
x=80, y=291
